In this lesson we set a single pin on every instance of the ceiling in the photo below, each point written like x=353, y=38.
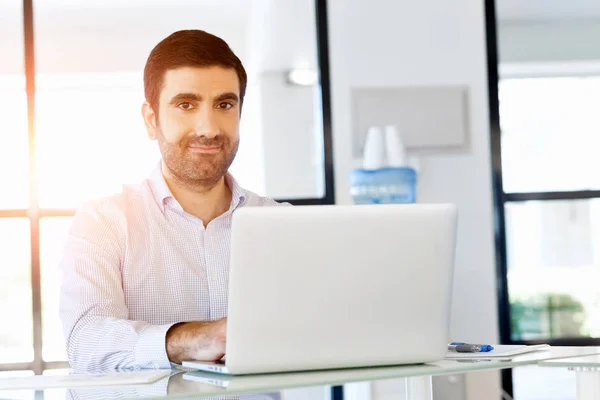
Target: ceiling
x=547, y=10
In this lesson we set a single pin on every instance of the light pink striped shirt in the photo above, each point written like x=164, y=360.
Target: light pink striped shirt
x=134, y=265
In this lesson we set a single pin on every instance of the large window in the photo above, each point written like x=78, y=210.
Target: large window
x=71, y=130
x=550, y=138
x=544, y=88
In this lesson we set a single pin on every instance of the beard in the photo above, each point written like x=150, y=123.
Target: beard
x=197, y=170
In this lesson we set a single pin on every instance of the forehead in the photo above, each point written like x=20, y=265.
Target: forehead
x=201, y=80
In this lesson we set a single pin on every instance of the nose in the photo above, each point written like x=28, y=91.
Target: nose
x=206, y=123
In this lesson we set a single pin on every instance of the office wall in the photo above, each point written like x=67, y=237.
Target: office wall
x=292, y=138
x=430, y=42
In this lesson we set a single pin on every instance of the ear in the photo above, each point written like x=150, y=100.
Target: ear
x=150, y=120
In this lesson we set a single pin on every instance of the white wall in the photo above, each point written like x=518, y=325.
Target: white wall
x=384, y=43
x=292, y=166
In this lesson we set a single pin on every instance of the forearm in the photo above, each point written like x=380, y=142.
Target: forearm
x=204, y=341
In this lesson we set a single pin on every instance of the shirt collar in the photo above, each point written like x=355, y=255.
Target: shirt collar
x=159, y=187
x=161, y=191
x=238, y=194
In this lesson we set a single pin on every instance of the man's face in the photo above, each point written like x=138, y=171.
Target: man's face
x=198, y=123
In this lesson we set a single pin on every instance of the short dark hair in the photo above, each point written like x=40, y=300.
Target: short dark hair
x=188, y=48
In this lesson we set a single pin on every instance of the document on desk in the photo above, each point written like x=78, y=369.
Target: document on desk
x=75, y=380
x=500, y=352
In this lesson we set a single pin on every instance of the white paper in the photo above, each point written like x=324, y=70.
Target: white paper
x=75, y=380
x=499, y=352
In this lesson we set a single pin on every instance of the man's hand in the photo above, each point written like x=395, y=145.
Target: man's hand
x=202, y=341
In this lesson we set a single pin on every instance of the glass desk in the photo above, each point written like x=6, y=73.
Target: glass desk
x=415, y=381
x=587, y=372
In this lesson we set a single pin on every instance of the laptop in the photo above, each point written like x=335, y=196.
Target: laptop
x=330, y=287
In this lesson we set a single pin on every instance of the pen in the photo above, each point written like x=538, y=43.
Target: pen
x=461, y=347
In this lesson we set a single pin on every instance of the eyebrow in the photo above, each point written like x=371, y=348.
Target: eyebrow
x=185, y=97
x=195, y=97
x=228, y=96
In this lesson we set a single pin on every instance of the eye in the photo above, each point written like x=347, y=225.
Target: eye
x=225, y=106
x=185, y=106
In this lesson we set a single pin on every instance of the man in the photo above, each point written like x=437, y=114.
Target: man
x=146, y=271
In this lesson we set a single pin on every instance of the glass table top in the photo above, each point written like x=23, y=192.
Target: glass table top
x=193, y=384
x=590, y=361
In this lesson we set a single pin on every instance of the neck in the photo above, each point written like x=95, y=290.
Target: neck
x=205, y=203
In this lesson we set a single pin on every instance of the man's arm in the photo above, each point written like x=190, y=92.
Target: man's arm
x=197, y=341
x=94, y=314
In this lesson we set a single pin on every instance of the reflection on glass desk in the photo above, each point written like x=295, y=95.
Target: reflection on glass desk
x=587, y=374
x=415, y=380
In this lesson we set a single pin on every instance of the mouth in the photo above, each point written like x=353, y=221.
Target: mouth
x=205, y=149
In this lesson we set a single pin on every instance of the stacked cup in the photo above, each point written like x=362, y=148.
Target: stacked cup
x=384, y=177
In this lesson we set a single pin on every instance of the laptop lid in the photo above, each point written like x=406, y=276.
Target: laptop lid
x=321, y=287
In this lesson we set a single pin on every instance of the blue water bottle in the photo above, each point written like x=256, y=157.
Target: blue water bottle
x=380, y=182
x=384, y=185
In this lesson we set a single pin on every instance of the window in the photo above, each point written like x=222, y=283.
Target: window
x=550, y=139
x=89, y=140
x=90, y=137
x=550, y=134
x=72, y=131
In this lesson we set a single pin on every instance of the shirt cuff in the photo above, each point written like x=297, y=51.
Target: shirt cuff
x=151, y=347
